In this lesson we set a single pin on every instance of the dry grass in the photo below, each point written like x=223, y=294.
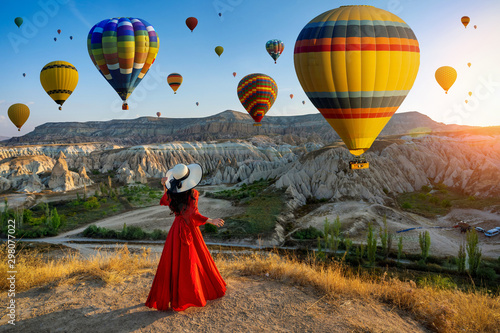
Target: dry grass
x=440, y=310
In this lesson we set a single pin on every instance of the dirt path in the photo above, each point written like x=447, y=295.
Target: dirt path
x=251, y=304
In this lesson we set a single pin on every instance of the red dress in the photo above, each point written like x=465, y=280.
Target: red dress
x=186, y=274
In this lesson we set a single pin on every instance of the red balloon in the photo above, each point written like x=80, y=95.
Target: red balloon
x=59, y=31
x=158, y=114
x=191, y=23
x=234, y=74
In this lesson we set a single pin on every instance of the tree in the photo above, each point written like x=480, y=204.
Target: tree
x=473, y=251
x=424, y=239
x=400, y=247
x=55, y=220
x=385, y=238
x=371, y=245
x=461, y=258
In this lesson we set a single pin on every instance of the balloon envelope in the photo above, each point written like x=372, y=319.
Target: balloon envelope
x=123, y=49
x=191, y=23
x=158, y=114
x=234, y=74
x=197, y=103
x=465, y=20
x=59, y=31
x=303, y=102
x=219, y=50
x=59, y=79
x=470, y=93
x=257, y=93
x=475, y=27
x=55, y=39
x=174, y=81
x=24, y=74
x=446, y=76
x=275, y=47
x=18, y=114
x=18, y=21
x=291, y=96
x=71, y=37
x=469, y=64
x=355, y=82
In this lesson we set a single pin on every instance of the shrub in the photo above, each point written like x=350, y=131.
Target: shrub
x=446, y=203
x=132, y=232
x=406, y=205
x=486, y=273
x=434, y=200
x=92, y=203
x=210, y=228
x=158, y=234
x=425, y=188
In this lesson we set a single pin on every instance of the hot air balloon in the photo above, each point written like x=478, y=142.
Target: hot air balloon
x=466, y=101
x=275, y=47
x=257, y=93
x=191, y=23
x=475, y=27
x=465, y=21
x=291, y=96
x=18, y=114
x=59, y=79
x=174, y=81
x=24, y=74
x=220, y=14
x=469, y=64
x=470, y=93
x=71, y=37
x=158, y=114
x=234, y=74
x=18, y=21
x=446, y=76
x=197, y=103
x=219, y=50
x=303, y=102
x=354, y=82
x=55, y=39
x=59, y=31
x=123, y=49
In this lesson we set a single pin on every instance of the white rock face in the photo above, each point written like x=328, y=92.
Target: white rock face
x=471, y=165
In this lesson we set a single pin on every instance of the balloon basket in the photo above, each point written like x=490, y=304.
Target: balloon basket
x=125, y=107
x=359, y=164
x=257, y=124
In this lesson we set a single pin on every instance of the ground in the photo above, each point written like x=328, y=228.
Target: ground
x=251, y=304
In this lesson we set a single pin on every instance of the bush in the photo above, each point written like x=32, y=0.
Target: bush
x=158, y=234
x=92, y=203
x=425, y=188
x=446, y=203
x=210, y=228
x=486, y=273
x=308, y=233
x=132, y=232
x=406, y=205
x=434, y=200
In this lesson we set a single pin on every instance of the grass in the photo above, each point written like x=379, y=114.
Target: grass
x=440, y=200
x=439, y=306
x=262, y=206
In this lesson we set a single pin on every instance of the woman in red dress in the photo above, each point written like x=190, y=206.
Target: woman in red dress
x=186, y=274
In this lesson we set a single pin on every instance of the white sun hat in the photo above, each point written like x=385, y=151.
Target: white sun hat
x=183, y=177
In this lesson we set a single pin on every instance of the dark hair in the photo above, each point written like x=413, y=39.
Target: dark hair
x=179, y=201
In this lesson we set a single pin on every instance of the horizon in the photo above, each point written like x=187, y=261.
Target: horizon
x=208, y=79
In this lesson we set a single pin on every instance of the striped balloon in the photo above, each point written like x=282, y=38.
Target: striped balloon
x=257, y=93
x=174, y=81
x=59, y=79
x=356, y=65
x=275, y=47
x=123, y=49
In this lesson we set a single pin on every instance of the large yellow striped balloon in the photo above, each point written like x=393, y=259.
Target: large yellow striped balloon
x=356, y=65
x=18, y=114
x=59, y=79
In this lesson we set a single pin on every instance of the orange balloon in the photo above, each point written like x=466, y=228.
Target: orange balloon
x=465, y=20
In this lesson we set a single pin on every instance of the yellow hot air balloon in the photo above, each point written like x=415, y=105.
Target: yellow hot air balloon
x=465, y=21
x=469, y=64
x=357, y=82
x=466, y=101
x=59, y=79
x=470, y=93
x=446, y=76
x=18, y=114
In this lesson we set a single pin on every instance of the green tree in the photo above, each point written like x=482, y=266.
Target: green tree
x=424, y=239
x=473, y=251
x=55, y=220
x=400, y=247
x=371, y=245
x=461, y=258
x=385, y=238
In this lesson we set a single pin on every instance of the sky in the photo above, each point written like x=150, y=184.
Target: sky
x=243, y=30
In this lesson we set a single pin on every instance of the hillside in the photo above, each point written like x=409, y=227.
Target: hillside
x=225, y=125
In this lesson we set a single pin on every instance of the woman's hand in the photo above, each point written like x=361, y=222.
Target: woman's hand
x=216, y=222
